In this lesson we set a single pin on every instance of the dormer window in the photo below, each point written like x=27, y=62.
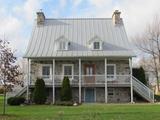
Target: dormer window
x=63, y=45
x=96, y=45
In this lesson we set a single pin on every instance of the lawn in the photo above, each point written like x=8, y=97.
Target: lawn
x=83, y=112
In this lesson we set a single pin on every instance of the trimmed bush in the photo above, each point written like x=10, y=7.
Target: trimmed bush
x=39, y=93
x=16, y=100
x=66, y=93
x=139, y=73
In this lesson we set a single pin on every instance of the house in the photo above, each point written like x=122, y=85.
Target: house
x=93, y=52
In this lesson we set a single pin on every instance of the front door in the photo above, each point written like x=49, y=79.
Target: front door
x=89, y=70
x=89, y=95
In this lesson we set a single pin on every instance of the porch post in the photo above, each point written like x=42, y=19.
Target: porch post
x=28, y=78
x=130, y=64
x=79, y=80
x=53, y=82
x=106, y=90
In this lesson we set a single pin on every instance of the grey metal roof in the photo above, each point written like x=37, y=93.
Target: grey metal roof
x=79, y=31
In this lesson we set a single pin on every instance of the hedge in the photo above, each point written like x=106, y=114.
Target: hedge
x=15, y=100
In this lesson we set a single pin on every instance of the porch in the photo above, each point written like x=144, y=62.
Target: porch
x=84, y=72
x=87, y=72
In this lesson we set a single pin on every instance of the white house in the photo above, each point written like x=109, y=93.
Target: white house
x=93, y=52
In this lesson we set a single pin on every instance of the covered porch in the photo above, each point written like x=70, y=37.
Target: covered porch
x=82, y=72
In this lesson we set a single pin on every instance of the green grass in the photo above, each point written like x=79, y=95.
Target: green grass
x=83, y=112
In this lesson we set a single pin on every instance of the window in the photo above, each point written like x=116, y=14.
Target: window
x=89, y=70
x=111, y=71
x=46, y=71
x=68, y=70
x=63, y=45
x=96, y=45
x=110, y=92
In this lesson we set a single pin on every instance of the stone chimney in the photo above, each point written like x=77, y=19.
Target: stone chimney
x=40, y=18
x=117, y=20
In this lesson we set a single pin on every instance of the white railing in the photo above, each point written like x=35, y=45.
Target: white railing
x=143, y=90
x=87, y=79
x=74, y=80
x=118, y=79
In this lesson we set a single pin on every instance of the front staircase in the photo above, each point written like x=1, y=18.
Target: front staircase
x=17, y=91
x=142, y=90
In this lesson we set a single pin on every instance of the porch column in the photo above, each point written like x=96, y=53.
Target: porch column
x=28, y=78
x=106, y=90
x=80, y=81
x=130, y=64
x=53, y=82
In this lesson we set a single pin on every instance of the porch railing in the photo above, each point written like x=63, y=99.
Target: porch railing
x=87, y=79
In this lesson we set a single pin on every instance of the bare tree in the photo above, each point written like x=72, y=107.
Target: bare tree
x=9, y=71
x=149, y=43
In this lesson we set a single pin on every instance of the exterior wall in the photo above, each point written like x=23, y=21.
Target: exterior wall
x=36, y=69
x=100, y=95
x=59, y=65
x=122, y=66
x=120, y=95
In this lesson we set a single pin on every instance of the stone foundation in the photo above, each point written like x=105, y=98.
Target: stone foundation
x=115, y=95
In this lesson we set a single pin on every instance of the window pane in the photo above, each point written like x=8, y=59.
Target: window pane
x=87, y=70
x=96, y=45
x=91, y=71
x=110, y=70
x=67, y=70
x=46, y=71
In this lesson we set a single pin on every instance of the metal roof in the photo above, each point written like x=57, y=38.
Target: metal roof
x=78, y=31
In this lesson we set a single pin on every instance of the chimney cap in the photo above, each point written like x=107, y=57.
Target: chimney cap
x=116, y=12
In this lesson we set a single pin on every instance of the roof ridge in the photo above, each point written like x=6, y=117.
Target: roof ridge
x=75, y=18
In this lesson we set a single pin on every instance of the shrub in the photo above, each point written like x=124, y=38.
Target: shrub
x=66, y=93
x=157, y=98
x=15, y=100
x=39, y=93
x=64, y=103
x=139, y=73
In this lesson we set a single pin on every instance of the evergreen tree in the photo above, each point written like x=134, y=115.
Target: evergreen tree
x=66, y=93
x=39, y=94
x=139, y=73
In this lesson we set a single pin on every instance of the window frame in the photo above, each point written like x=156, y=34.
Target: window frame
x=72, y=67
x=100, y=45
x=114, y=75
x=50, y=71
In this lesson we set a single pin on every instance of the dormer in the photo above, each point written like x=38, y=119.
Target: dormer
x=96, y=43
x=62, y=43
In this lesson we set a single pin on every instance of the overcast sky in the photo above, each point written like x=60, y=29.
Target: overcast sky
x=17, y=16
